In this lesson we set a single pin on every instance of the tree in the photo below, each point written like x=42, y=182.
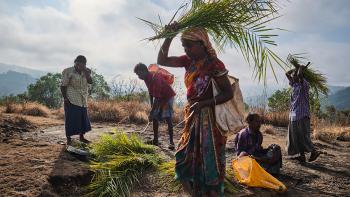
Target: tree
x=46, y=90
x=279, y=101
x=99, y=88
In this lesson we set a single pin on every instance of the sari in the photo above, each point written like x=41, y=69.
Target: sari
x=200, y=155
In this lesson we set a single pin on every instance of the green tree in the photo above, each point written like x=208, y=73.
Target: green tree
x=46, y=90
x=279, y=100
x=99, y=88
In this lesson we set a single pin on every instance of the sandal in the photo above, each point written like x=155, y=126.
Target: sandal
x=171, y=146
x=84, y=140
x=314, y=155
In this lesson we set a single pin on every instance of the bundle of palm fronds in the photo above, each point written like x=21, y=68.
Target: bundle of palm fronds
x=120, y=163
x=317, y=80
x=238, y=23
x=121, y=144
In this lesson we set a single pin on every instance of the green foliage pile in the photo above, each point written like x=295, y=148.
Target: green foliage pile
x=120, y=163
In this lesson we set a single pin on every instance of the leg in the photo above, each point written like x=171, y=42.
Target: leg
x=82, y=138
x=155, y=131
x=187, y=187
x=69, y=140
x=213, y=193
x=171, y=133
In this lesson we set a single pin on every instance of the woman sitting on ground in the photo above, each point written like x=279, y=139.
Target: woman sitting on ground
x=248, y=143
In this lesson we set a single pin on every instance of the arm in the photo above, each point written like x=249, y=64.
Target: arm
x=225, y=94
x=64, y=94
x=87, y=74
x=154, y=106
x=163, y=58
x=151, y=100
x=289, y=76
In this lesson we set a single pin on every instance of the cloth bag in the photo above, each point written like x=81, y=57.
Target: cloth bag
x=229, y=115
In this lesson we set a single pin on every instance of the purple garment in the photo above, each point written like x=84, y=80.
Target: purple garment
x=248, y=141
x=299, y=107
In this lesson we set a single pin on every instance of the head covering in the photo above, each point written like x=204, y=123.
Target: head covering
x=199, y=34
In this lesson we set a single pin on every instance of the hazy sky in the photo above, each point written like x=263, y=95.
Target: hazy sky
x=48, y=35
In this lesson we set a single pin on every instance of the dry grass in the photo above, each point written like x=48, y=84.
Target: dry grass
x=99, y=111
x=30, y=109
x=124, y=111
x=280, y=119
x=20, y=121
x=330, y=133
x=268, y=129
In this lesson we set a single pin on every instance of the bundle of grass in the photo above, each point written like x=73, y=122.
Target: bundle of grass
x=236, y=23
x=35, y=109
x=105, y=111
x=317, y=80
x=280, y=119
x=120, y=163
x=12, y=107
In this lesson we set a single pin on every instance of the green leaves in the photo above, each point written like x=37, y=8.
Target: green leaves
x=120, y=162
x=317, y=80
x=242, y=24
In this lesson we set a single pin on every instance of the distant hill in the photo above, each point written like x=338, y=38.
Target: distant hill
x=13, y=82
x=15, y=79
x=32, y=72
x=335, y=89
x=341, y=99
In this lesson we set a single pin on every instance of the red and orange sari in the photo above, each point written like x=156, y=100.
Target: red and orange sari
x=200, y=156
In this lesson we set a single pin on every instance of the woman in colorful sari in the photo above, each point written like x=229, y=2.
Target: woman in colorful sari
x=200, y=155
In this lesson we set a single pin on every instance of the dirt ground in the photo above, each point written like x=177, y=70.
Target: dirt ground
x=33, y=162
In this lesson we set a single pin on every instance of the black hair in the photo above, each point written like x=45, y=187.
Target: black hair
x=251, y=117
x=81, y=59
x=140, y=67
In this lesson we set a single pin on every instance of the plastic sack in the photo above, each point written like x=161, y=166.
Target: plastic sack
x=167, y=76
x=248, y=172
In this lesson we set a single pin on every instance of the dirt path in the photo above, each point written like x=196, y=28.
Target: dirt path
x=35, y=164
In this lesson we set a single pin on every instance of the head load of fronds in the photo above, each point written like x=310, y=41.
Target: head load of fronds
x=242, y=24
x=317, y=80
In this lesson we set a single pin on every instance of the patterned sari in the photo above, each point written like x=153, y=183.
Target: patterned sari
x=200, y=156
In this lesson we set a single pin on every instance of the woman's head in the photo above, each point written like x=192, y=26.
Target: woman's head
x=80, y=62
x=254, y=121
x=196, y=43
x=141, y=71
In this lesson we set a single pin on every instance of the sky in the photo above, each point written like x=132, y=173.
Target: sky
x=48, y=35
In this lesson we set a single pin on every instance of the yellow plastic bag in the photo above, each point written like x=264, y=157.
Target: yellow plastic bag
x=250, y=173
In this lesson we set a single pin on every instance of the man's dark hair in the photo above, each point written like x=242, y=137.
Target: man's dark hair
x=251, y=117
x=140, y=67
x=81, y=59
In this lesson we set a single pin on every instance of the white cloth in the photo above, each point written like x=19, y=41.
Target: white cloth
x=229, y=115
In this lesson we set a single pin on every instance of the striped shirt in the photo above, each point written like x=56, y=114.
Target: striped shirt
x=299, y=107
x=77, y=86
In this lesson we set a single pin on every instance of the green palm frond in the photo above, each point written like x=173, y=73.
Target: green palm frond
x=242, y=24
x=119, y=143
x=317, y=80
x=120, y=163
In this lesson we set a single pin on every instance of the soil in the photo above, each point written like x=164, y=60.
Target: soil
x=33, y=162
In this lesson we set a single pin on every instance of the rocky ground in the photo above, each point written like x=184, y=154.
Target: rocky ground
x=33, y=162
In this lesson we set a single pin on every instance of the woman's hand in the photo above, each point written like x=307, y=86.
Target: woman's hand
x=173, y=27
x=196, y=107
